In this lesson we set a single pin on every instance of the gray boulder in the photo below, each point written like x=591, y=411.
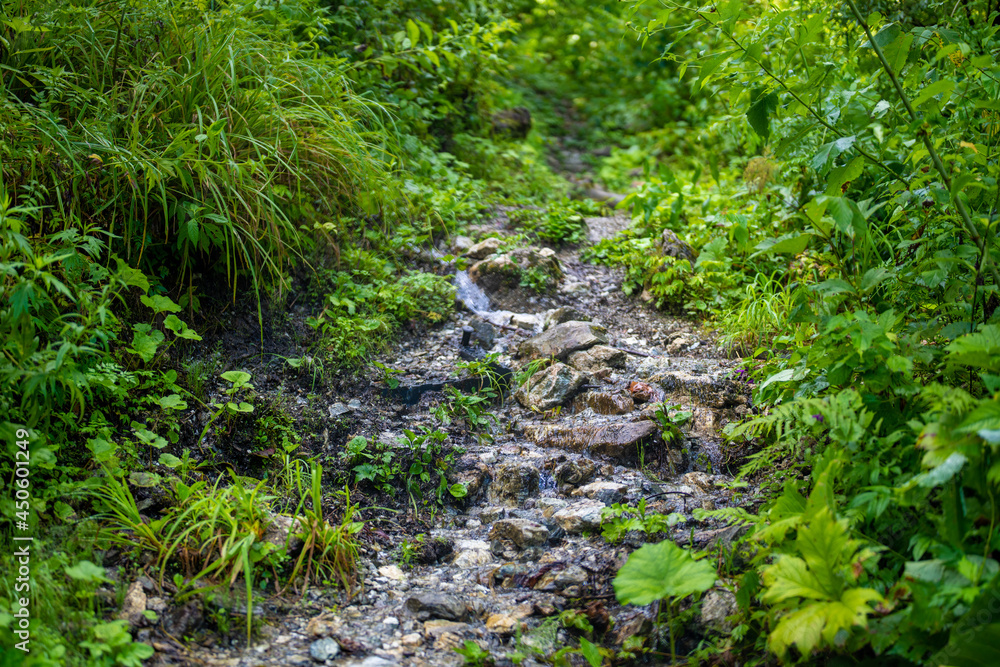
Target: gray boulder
x=563, y=339
x=549, y=388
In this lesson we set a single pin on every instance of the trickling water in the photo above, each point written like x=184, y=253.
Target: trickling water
x=469, y=293
x=546, y=481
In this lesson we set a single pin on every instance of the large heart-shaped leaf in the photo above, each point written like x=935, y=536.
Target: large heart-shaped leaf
x=664, y=570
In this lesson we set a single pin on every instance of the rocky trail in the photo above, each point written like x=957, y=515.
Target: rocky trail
x=524, y=546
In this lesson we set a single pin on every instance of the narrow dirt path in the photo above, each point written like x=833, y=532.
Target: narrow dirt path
x=527, y=546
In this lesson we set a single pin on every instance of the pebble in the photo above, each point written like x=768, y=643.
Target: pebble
x=324, y=649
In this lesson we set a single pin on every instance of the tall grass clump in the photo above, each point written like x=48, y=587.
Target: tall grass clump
x=196, y=136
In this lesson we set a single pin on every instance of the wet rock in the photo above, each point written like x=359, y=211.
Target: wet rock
x=322, y=626
x=338, y=409
x=281, y=533
x=505, y=269
x=134, y=605
x=704, y=539
x=472, y=553
x=560, y=580
x=436, y=606
x=513, y=483
x=184, y=620
x=629, y=626
x=574, y=472
x=484, y=248
x=606, y=492
x=672, y=245
x=391, y=572
x=376, y=661
x=483, y=332
x=651, y=367
x=473, y=473
x=580, y=516
x=550, y=506
x=561, y=340
x=525, y=321
x=502, y=624
x=491, y=514
x=604, y=402
x=434, y=550
x=549, y=388
x=437, y=628
x=522, y=532
x=619, y=442
x=715, y=607
x=597, y=358
x=680, y=343
x=322, y=650
x=460, y=244
x=563, y=314
x=643, y=392
x=448, y=641
x=700, y=480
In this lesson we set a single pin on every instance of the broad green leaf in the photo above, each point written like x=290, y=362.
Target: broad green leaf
x=413, y=32
x=192, y=231
x=144, y=479
x=872, y=278
x=943, y=472
x=146, y=344
x=102, y=450
x=792, y=244
x=171, y=402
x=132, y=277
x=985, y=417
x=822, y=542
x=830, y=151
x=806, y=626
x=590, y=653
x=87, y=571
x=785, y=376
x=160, y=303
x=170, y=460
x=840, y=176
x=789, y=578
x=238, y=378
x=658, y=571
x=980, y=349
x=942, y=87
x=760, y=111
x=179, y=328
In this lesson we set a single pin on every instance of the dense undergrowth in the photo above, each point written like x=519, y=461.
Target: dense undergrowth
x=818, y=181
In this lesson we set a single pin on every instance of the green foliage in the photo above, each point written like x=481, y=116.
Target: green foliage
x=473, y=654
x=363, y=306
x=189, y=133
x=662, y=571
x=619, y=520
x=471, y=409
x=559, y=223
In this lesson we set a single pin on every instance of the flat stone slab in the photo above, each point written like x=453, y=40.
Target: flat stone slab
x=617, y=441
